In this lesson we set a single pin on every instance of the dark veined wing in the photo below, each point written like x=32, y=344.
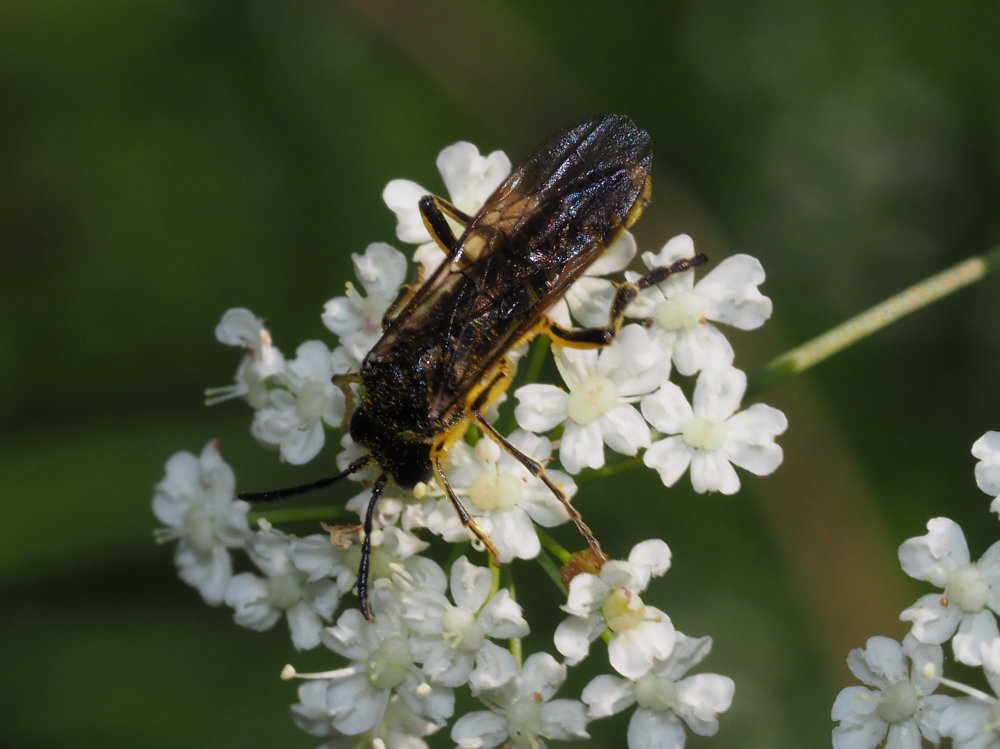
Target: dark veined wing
x=543, y=226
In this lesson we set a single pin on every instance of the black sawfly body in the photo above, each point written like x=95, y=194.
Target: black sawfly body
x=442, y=358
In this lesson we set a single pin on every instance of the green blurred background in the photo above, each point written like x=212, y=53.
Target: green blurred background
x=163, y=161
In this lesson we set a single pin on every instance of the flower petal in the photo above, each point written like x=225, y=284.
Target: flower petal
x=607, y=695
x=701, y=347
x=731, y=294
x=542, y=674
x=654, y=730
x=974, y=633
x=565, y=720
x=402, y=196
x=540, y=407
x=582, y=447
x=667, y=409
x=470, y=585
x=479, y=730
x=670, y=457
x=717, y=394
x=933, y=556
x=623, y=430
x=711, y=471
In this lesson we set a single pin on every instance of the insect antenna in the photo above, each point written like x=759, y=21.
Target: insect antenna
x=273, y=495
x=366, y=547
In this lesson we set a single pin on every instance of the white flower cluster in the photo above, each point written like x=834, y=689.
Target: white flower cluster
x=902, y=707
x=442, y=629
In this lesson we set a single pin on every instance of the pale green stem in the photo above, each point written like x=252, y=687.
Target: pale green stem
x=554, y=547
x=551, y=569
x=514, y=643
x=917, y=296
x=495, y=570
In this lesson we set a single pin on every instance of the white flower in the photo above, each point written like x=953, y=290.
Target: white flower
x=665, y=697
x=391, y=548
x=240, y=327
x=390, y=508
x=972, y=722
x=197, y=502
x=682, y=309
x=452, y=641
x=354, y=699
x=598, y=408
x=971, y=591
x=258, y=602
x=399, y=727
x=357, y=319
x=294, y=416
x=610, y=600
x=505, y=500
x=469, y=179
x=987, y=449
x=900, y=708
x=522, y=712
x=710, y=435
x=322, y=557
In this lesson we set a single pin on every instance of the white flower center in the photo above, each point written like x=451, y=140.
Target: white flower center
x=383, y=554
x=524, y=720
x=591, y=399
x=623, y=610
x=310, y=401
x=655, y=693
x=284, y=591
x=495, y=491
x=390, y=663
x=898, y=702
x=967, y=588
x=704, y=434
x=684, y=309
x=461, y=628
x=199, y=527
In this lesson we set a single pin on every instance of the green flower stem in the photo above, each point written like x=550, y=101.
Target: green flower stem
x=495, y=569
x=551, y=569
x=539, y=353
x=590, y=474
x=514, y=643
x=553, y=547
x=298, y=515
x=917, y=296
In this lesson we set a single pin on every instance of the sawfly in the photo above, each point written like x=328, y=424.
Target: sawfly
x=443, y=358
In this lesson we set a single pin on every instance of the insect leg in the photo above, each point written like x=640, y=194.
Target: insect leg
x=344, y=382
x=625, y=293
x=366, y=547
x=435, y=211
x=460, y=510
x=403, y=296
x=536, y=469
x=490, y=393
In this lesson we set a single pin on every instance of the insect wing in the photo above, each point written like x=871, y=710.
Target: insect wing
x=549, y=220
